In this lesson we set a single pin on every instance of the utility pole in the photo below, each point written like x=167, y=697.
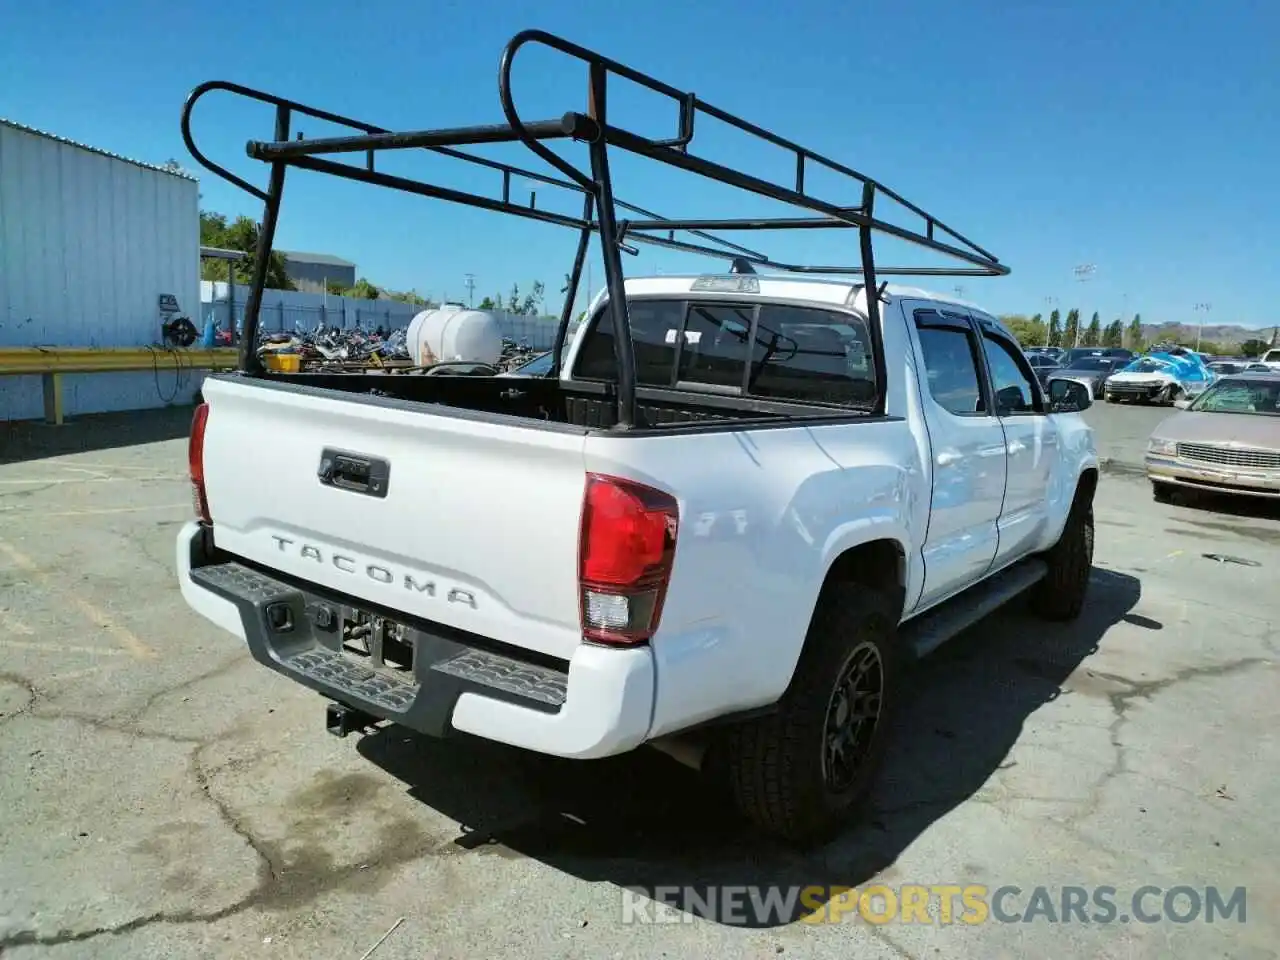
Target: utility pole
x=959, y=292
x=1083, y=272
x=1200, y=309
x=470, y=283
x=1049, y=304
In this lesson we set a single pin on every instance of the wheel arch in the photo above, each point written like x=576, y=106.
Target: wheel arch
x=1086, y=487
x=880, y=563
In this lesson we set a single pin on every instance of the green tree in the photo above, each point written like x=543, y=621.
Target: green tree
x=336, y=287
x=1113, y=335
x=1134, y=333
x=363, y=290
x=532, y=302
x=1055, y=329
x=1093, y=332
x=1254, y=347
x=241, y=235
x=1071, y=332
x=213, y=228
x=1029, y=332
x=528, y=305
x=487, y=304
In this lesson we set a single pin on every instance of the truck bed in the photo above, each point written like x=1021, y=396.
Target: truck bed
x=554, y=403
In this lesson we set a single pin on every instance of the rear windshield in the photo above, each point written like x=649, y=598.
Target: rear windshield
x=1092, y=363
x=770, y=350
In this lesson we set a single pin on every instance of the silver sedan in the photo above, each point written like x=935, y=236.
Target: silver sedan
x=1227, y=440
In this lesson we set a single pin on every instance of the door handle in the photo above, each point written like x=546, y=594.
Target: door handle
x=1016, y=447
x=354, y=472
x=948, y=458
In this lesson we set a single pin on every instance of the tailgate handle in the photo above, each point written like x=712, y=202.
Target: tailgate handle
x=354, y=472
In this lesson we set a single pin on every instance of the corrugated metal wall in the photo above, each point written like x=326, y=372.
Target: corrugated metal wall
x=88, y=243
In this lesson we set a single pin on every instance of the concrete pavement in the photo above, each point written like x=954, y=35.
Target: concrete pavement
x=163, y=796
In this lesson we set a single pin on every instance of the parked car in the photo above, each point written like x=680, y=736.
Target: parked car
x=1073, y=354
x=741, y=507
x=1271, y=359
x=539, y=366
x=1043, y=365
x=1160, y=377
x=1225, y=368
x=1055, y=353
x=1225, y=440
x=1119, y=353
x=1090, y=371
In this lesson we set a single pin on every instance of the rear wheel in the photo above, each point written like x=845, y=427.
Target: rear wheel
x=1061, y=594
x=803, y=771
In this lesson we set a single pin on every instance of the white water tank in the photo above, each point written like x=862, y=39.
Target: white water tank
x=454, y=333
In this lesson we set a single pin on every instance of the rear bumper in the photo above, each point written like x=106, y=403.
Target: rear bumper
x=1216, y=479
x=598, y=704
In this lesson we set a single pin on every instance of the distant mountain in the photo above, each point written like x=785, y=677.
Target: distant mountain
x=1226, y=335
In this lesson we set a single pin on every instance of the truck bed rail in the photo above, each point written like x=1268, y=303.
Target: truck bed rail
x=594, y=185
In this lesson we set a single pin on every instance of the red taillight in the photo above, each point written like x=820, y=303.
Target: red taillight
x=628, y=543
x=195, y=463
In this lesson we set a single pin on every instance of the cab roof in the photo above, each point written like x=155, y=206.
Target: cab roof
x=772, y=287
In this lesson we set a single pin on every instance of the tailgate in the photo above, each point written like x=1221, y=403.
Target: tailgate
x=475, y=524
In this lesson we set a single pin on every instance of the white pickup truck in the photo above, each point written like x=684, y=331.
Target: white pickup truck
x=724, y=537
x=1270, y=359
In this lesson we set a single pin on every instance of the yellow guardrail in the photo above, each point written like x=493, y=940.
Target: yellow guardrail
x=51, y=363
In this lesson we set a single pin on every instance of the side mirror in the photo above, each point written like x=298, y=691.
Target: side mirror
x=1068, y=396
x=1011, y=399
x=1182, y=403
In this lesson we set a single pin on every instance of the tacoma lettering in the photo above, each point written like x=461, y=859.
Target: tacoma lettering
x=373, y=571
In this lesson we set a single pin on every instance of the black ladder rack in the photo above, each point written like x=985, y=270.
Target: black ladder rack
x=595, y=186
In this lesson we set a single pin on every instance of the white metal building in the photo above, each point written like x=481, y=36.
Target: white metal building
x=89, y=244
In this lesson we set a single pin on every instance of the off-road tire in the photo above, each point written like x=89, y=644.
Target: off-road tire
x=1162, y=492
x=774, y=764
x=1061, y=594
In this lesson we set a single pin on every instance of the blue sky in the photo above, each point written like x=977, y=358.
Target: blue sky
x=1138, y=136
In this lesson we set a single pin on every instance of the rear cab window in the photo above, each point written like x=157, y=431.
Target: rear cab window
x=768, y=350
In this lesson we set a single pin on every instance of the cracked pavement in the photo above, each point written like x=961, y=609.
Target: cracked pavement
x=164, y=796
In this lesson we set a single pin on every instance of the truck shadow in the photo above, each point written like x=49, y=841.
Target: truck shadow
x=22, y=440
x=653, y=827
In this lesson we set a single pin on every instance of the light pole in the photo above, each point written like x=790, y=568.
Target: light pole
x=470, y=284
x=1083, y=272
x=1048, y=330
x=1200, y=309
